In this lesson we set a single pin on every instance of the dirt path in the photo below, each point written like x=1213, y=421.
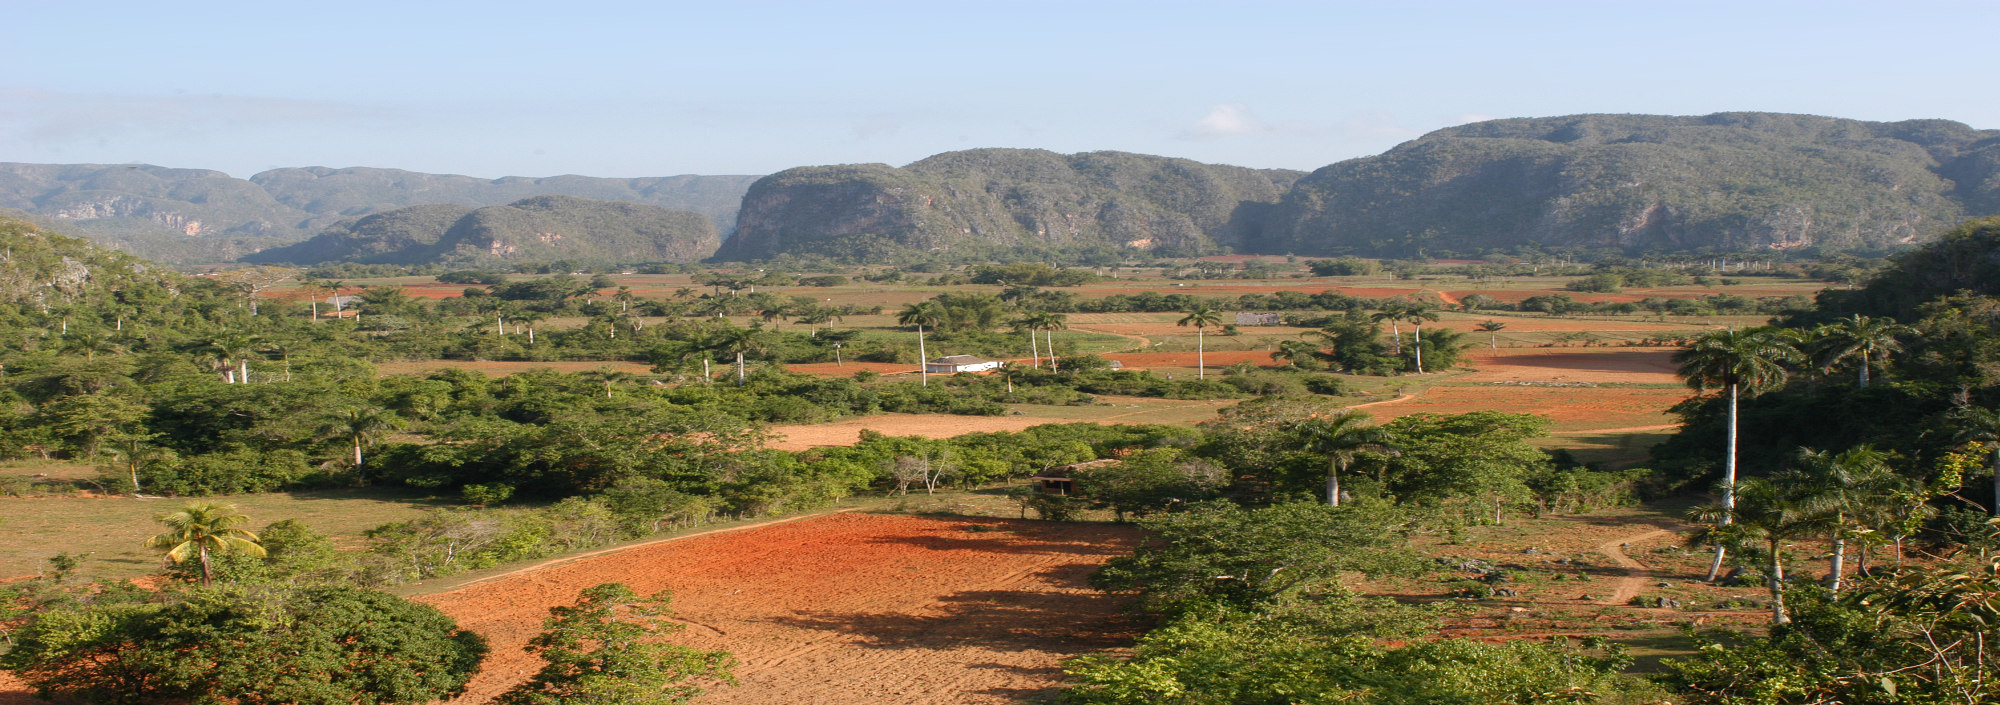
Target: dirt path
x=1636, y=573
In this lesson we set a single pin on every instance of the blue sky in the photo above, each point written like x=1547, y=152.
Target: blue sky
x=652, y=89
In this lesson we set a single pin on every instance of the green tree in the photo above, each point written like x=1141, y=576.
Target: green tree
x=200, y=529
x=1767, y=514
x=604, y=651
x=1340, y=438
x=1848, y=486
x=1201, y=318
x=1860, y=338
x=360, y=426
x=1979, y=425
x=923, y=314
x=1492, y=330
x=247, y=645
x=1416, y=314
x=1742, y=362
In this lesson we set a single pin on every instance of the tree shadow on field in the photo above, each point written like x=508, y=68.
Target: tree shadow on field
x=999, y=620
x=1014, y=537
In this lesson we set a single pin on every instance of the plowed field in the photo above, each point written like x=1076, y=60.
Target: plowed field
x=844, y=608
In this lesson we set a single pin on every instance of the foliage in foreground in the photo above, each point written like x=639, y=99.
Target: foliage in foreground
x=601, y=651
x=244, y=644
x=1925, y=635
x=1257, y=614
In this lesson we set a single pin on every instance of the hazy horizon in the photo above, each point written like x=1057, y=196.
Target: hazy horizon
x=617, y=90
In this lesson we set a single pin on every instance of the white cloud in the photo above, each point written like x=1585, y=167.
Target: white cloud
x=1225, y=120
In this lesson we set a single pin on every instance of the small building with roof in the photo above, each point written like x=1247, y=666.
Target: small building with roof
x=954, y=364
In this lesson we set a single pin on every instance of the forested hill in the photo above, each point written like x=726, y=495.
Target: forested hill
x=196, y=215
x=995, y=200
x=542, y=228
x=1732, y=181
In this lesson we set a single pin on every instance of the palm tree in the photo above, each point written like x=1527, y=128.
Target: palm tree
x=1847, y=486
x=1742, y=362
x=312, y=287
x=1491, y=328
x=1340, y=437
x=1983, y=426
x=1870, y=339
x=922, y=314
x=232, y=350
x=1393, y=312
x=90, y=343
x=360, y=426
x=1201, y=317
x=624, y=298
x=1416, y=314
x=739, y=342
x=1027, y=324
x=528, y=318
x=1050, y=322
x=333, y=293
x=1766, y=513
x=1294, y=351
x=201, y=528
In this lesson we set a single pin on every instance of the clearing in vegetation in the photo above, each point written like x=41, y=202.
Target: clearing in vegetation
x=844, y=608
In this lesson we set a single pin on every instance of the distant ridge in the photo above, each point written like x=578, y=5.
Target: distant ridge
x=542, y=228
x=989, y=200
x=1730, y=181
x=197, y=215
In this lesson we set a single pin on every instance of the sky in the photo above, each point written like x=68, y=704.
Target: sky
x=614, y=89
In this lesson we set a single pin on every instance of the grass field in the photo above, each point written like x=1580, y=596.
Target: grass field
x=112, y=530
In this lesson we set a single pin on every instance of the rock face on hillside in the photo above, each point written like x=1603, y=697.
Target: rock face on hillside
x=1733, y=181
x=994, y=200
x=543, y=228
x=194, y=215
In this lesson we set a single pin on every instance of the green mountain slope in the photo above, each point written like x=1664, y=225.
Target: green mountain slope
x=193, y=215
x=1726, y=181
x=542, y=228
x=989, y=200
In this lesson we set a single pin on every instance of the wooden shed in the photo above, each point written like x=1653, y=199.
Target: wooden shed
x=1062, y=479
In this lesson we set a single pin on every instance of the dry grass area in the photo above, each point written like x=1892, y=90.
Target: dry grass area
x=845, y=608
x=113, y=529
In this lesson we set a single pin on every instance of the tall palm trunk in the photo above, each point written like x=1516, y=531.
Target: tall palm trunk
x=1052, y=348
x=1396, y=333
x=1777, y=582
x=739, y=369
x=1200, y=355
x=1864, y=369
x=1333, y=484
x=923, y=358
x=1839, y=560
x=207, y=572
x=244, y=365
x=1034, y=349
x=1419, y=347
x=1728, y=485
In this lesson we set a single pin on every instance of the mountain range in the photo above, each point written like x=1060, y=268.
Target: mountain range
x=197, y=215
x=542, y=228
x=1638, y=183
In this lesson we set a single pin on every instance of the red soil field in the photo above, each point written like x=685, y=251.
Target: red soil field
x=1598, y=365
x=1214, y=358
x=847, y=432
x=844, y=608
x=1571, y=408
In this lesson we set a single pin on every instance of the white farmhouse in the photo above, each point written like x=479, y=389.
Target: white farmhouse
x=954, y=364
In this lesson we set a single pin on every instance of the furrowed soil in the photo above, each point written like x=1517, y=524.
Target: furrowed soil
x=844, y=608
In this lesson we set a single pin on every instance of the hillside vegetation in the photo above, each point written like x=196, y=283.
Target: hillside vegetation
x=976, y=202
x=579, y=230
x=1636, y=183
x=180, y=216
x=1730, y=181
